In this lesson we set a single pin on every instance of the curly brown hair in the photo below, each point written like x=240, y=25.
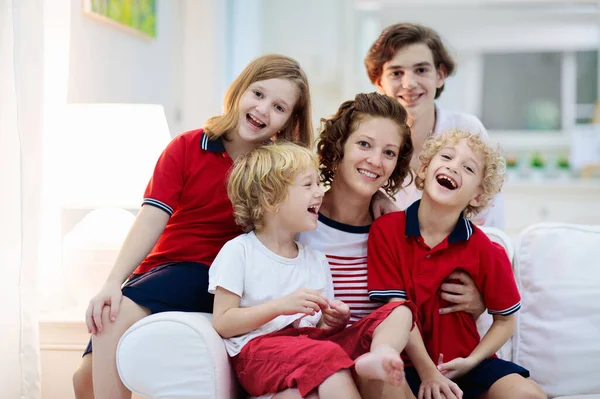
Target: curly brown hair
x=336, y=130
x=397, y=36
x=494, y=165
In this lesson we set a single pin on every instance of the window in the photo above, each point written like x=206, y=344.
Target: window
x=587, y=85
x=535, y=91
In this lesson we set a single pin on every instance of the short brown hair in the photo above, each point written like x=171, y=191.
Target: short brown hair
x=494, y=165
x=271, y=66
x=336, y=130
x=259, y=180
x=397, y=36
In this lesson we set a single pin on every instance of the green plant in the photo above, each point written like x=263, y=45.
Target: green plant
x=562, y=162
x=537, y=161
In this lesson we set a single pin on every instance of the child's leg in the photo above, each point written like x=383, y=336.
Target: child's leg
x=82, y=379
x=107, y=383
x=339, y=385
x=381, y=371
x=514, y=386
x=292, y=359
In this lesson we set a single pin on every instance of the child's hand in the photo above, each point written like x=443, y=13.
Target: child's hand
x=108, y=296
x=435, y=385
x=302, y=301
x=457, y=367
x=337, y=315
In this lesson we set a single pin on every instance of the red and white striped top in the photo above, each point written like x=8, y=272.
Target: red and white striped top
x=346, y=250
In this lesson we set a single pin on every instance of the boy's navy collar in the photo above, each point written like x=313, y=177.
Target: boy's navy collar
x=215, y=145
x=462, y=231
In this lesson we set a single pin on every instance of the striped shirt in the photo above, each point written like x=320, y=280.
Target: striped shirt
x=346, y=249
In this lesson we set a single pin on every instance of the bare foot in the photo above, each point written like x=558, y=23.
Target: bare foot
x=384, y=364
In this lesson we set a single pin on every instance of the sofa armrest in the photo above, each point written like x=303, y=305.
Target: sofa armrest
x=175, y=355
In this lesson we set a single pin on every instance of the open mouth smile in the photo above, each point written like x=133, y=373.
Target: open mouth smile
x=255, y=122
x=446, y=182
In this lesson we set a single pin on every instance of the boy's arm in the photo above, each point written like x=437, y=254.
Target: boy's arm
x=432, y=379
x=227, y=281
x=499, y=333
x=501, y=296
x=501, y=330
x=229, y=319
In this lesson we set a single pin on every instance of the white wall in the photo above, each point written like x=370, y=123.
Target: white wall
x=112, y=65
x=318, y=34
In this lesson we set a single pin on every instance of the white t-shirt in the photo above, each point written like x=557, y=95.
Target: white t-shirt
x=448, y=120
x=346, y=250
x=247, y=268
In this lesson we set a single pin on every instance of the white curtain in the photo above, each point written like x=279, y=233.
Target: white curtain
x=21, y=71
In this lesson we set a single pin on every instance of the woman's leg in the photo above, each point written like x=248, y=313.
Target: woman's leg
x=514, y=386
x=82, y=379
x=106, y=381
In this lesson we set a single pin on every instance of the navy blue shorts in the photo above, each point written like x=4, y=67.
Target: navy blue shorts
x=181, y=286
x=477, y=381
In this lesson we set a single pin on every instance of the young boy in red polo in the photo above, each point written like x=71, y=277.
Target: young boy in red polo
x=412, y=252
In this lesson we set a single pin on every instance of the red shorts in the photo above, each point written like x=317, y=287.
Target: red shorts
x=305, y=357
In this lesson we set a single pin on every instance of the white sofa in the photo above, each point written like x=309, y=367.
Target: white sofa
x=557, y=266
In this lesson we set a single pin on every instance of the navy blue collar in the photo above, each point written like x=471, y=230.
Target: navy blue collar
x=214, y=145
x=462, y=231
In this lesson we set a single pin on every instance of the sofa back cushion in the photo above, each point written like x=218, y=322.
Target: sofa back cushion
x=557, y=267
x=485, y=320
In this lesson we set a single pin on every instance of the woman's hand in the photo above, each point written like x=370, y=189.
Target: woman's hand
x=110, y=295
x=336, y=316
x=464, y=295
x=381, y=204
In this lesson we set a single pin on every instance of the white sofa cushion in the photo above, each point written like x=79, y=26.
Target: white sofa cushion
x=558, y=328
x=175, y=355
x=485, y=320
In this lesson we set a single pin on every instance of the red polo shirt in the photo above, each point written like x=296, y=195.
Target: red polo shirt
x=189, y=183
x=401, y=265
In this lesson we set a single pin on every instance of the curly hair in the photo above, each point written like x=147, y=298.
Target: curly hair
x=336, y=130
x=299, y=127
x=397, y=36
x=494, y=164
x=259, y=180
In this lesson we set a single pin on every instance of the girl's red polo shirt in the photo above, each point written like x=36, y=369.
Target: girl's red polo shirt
x=189, y=183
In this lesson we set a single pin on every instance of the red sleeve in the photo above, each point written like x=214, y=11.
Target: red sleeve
x=384, y=280
x=498, y=285
x=167, y=180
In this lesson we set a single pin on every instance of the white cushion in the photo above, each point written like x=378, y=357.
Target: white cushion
x=485, y=320
x=558, y=329
x=175, y=355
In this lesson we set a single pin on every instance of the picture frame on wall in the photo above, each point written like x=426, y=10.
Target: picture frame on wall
x=135, y=16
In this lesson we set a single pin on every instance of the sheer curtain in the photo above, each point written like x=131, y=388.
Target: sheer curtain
x=21, y=52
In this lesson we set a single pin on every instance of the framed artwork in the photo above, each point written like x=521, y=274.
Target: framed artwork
x=138, y=16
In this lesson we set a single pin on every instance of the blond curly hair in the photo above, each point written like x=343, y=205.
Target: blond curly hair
x=259, y=180
x=494, y=164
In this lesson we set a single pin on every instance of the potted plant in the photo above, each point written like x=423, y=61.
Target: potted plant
x=563, y=167
x=537, y=164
